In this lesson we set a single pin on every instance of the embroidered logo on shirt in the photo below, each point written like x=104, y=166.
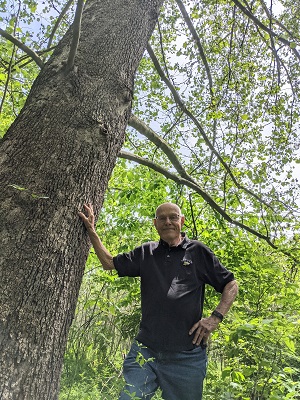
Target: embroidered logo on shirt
x=186, y=263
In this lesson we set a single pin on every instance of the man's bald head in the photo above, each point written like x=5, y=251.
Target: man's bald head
x=166, y=207
x=168, y=222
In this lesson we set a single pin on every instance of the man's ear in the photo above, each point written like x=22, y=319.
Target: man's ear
x=182, y=220
x=154, y=222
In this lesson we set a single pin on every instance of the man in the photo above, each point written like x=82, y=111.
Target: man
x=170, y=349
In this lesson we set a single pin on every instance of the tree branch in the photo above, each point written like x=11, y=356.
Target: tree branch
x=197, y=40
x=182, y=181
x=273, y=19
x=193, y=217
x=58, y=21
x=25, y=59
x=23, y=47
x=162, y=49
x=145, y=130
x=182, y=106
x=76, y=35
x=9, y=69
x=205, y=62
x=264, y=27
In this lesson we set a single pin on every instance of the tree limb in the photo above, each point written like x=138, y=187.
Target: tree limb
x=273, y=19
x=264, y=27
x=9, y=69
x=182, y=181
x=76, y=35
x=23, y=47
x=162, y=49
x=25, y=59
x=58, y=21
x=193, y=217
x=145, y=130
x=205, y=62
x=194, y=186
x=197, y=40
x=182, y=106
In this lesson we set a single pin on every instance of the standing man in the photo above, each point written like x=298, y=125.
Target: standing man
x=172, y=338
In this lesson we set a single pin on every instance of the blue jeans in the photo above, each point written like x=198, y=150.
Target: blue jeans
x=180, y=375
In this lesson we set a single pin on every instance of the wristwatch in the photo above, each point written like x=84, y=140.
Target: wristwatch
x=217, y=314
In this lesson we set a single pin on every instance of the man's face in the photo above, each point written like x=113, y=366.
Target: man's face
x=168, y=222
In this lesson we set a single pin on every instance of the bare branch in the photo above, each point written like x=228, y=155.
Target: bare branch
x=25, y=59
x=58, y=21
x=181, y=104
x=76, y=35
x=23, y=47
x=9, y=70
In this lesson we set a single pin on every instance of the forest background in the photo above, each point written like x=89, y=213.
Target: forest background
x=214, y=128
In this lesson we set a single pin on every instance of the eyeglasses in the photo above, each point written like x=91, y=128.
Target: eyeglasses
x=172, y=217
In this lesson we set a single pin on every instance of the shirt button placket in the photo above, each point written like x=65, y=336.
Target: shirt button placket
x=168, y=256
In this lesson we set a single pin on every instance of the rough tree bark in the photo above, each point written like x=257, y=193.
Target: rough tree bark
x=58, y=154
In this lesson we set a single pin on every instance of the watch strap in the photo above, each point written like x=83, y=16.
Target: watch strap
x=217, y=314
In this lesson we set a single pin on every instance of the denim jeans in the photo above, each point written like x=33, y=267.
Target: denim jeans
x=180, y=375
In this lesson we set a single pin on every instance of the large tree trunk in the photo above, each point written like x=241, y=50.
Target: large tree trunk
x=61, y=149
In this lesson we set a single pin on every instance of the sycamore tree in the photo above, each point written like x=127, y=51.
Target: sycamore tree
x=215, y=111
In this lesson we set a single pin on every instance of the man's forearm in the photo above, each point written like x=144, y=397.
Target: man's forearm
x=103, y=254
x=228, y=296
x=203, y=328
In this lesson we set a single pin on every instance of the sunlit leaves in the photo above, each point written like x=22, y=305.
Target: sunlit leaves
x=250, y=114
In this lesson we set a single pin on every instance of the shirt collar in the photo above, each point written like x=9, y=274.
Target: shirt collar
x=183, y=244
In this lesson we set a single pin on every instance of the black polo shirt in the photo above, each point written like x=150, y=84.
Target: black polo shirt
x=172, y=289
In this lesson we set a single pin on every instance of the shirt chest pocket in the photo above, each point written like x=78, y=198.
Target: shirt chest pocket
x=184, y=282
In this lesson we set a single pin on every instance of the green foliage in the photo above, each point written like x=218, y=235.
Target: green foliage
x=254, y=354
x=249, y=110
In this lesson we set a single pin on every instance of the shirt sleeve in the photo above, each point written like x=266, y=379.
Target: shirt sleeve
x=212, y=272
x=128, y=264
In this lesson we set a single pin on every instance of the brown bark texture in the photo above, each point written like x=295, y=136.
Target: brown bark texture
x=58, y=154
